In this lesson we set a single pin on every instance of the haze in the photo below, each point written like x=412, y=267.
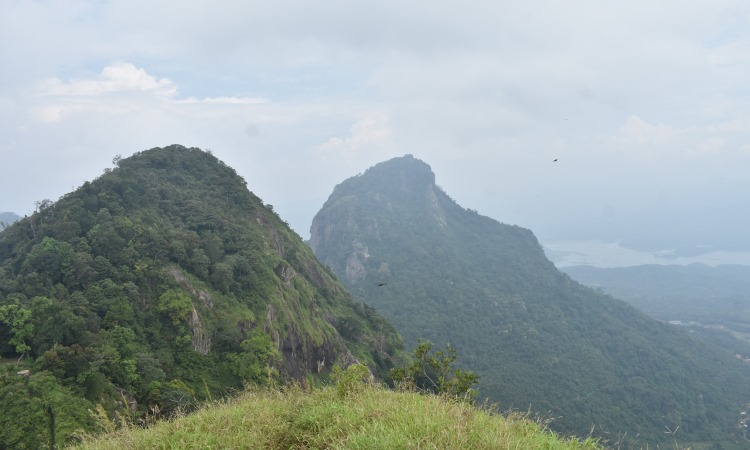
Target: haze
x=644, y=105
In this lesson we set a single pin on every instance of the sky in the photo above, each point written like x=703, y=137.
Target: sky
x=645, y=105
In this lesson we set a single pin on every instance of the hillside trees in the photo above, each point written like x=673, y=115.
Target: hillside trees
x=433, y=371
x=534, y=335
x=50, y=411
x=165, y=281
x=17, y=320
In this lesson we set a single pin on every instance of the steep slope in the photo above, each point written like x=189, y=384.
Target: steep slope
x=162, y=283
x=694, y=292
x=535, y=336
x=714, y=302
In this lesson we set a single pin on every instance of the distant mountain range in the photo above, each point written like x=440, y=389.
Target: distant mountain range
x=8, y=218
x=537, y=338
x=694, y=293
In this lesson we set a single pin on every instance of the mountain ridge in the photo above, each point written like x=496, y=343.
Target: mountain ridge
x=7, y=219
x=534, y=335
x=160, y=284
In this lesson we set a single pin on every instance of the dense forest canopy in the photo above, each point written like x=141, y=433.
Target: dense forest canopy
x=162, y=283
x=695, y=292
x=714, y=302
x=536, y=337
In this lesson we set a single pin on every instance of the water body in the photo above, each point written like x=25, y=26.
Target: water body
x=613, y=254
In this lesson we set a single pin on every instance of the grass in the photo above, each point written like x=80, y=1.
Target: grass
x=368, y=417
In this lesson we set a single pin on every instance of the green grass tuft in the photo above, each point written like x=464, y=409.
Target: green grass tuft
x=369, y=418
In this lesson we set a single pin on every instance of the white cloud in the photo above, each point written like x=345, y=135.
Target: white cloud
x=371, y=130
x=636, y=131
x=641, y=137
x=224, y=100
x=634, y=98
x=118, y=77
x=711, y=145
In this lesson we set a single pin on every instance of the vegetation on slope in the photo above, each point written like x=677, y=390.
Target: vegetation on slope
x=536, y=337
x=350, y=415
x=163, y=283
x=695, y=292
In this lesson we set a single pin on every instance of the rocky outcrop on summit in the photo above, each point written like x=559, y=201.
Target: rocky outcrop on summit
x=535, y=336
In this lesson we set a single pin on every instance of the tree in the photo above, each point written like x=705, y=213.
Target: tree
x=256, y=360
x=176, y=304
x=433, y=372
x=18, y=319
x=39, y=412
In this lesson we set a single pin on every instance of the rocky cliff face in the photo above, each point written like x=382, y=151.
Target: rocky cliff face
x=535, y=336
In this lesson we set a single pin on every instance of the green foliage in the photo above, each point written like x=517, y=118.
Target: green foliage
x=18, y=320
x=537, y=338
x=351, y=380
x=255, y=363
x=164, y=283
x=175, y=304
x=37, y=410
x=694, y=293
x=433, y=371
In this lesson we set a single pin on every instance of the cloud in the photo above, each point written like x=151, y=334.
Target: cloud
x=633, y=104
x=120, y=88
x=708, y=140
x=636, y=131
x=225, y=100
x=371, y=130
x=115, y=78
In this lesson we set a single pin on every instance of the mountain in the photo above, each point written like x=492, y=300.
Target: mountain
x=695, y=292
x=162, y=283
x=8, y=218
x=716, y=299
x=537, y=338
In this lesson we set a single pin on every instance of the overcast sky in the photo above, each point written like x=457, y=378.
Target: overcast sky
x=645, y=105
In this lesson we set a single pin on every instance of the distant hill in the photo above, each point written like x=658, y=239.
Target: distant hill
x=160, y=284
x=8, y=218
x=696, y=292
x=536, y=337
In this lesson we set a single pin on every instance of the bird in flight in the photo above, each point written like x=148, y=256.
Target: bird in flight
x=554, y=160
x=381, y=284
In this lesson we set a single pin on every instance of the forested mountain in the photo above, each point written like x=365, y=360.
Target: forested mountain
x=536, y=337
x=694, y=292
x=162, y=283
x=717, y=298
x=7, y=218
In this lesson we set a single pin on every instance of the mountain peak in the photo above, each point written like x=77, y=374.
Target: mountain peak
x=400, y=174
x=169, y=269
x=400, y=186
x=450, y=275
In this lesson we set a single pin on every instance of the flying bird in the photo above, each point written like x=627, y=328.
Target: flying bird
x=381, y=284
x=554, y=160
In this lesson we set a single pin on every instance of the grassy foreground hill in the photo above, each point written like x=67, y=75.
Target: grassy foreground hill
x=351, y=415
x=537, y=338
x=161, y=284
